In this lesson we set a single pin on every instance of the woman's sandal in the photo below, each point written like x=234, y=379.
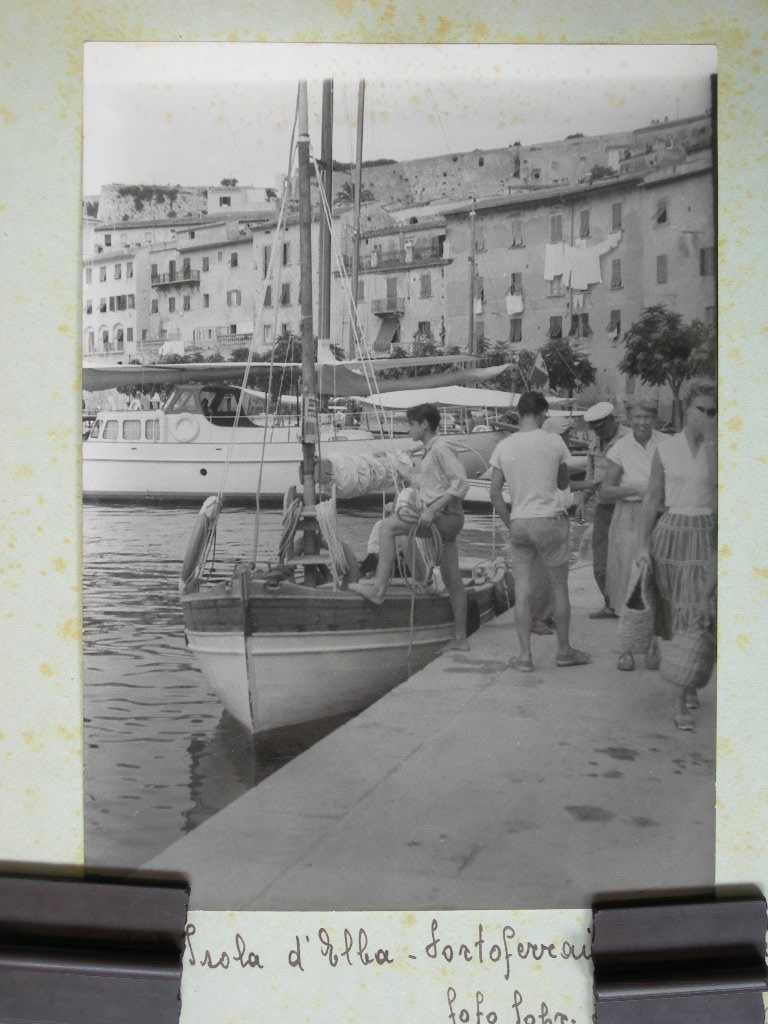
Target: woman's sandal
x=684, y=722
x=653, y=657
x=692, y=701
x=573, y=657
x=521, y=665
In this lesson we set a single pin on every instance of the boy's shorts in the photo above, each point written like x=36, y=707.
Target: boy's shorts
x=546, y=536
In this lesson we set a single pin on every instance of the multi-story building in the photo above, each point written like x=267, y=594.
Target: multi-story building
x=628, y=242
x=116, y=304
x=202, y=292
x=565, y=253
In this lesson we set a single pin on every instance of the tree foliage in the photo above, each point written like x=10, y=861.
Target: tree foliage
x=569, y=366
x=346, y=193
x=661, y=348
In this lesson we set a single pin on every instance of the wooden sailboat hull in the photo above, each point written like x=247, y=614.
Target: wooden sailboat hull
x=278, y=657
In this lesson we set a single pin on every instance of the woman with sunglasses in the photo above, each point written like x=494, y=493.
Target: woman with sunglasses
x=683, y=543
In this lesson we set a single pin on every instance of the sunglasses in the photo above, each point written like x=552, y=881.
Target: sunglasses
x=710, y=412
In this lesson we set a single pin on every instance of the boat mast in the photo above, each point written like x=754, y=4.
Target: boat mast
x=326, y=157
x=358, y=189
x=309, y=420
x=471, y=336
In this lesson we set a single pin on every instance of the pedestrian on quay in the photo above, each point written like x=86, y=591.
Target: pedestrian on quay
x=533, y=463
x=607, y=432
x=627, y=472
x=440, y=482
x=683, y=543
x=542, y=599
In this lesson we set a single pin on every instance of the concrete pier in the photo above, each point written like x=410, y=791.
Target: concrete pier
x=473, y=786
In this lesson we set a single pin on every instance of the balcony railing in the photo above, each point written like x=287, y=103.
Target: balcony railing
x=177, y=277
x=392, y=306
x=148, y=346
x=400, y=257
x=230, y=341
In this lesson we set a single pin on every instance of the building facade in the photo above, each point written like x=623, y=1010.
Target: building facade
x=565, y=253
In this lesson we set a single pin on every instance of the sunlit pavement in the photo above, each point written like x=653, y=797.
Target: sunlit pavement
x=474, y=786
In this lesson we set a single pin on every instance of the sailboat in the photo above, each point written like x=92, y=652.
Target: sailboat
x=279, y=645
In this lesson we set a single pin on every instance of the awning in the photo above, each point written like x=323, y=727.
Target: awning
x=454, y=395
x=387, y=332
x=342, y=382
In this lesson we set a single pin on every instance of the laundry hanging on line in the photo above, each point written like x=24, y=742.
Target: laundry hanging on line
x=579, y=266
x=514, y=302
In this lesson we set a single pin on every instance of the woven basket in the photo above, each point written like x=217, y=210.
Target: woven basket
x=689, y=657
x=638, y=613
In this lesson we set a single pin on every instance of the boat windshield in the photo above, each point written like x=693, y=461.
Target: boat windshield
x=217, y=403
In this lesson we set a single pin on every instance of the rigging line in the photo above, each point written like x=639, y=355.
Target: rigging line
x=246, y=373
x=449, y=147
x=270, y=378
x=368, y=372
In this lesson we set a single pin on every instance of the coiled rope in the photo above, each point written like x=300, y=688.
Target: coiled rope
x=408, y=511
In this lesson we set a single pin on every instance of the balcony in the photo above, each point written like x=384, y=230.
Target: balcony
x=177, y=277
x=433, y=253
x=148, y=346
x=227, y=342
x=391, y=306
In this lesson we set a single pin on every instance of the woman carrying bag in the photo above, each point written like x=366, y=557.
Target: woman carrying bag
x=627, y=473
x=683, y=545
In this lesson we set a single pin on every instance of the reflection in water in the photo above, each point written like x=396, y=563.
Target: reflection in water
x=230, y=761
x=161, y=756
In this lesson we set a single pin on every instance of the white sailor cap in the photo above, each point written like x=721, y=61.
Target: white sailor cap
x=557, y=424
x=598, y=412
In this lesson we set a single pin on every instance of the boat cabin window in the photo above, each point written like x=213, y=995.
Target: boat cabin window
x=109, y=433
x=182, y=401
x=131, y=430
x=151, y=430
x=219, y=405
x=95, y=429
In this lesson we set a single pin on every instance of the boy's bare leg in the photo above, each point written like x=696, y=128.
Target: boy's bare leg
x=449, y=568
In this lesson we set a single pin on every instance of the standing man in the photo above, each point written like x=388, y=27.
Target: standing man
x=607, y=431
x=533, y=464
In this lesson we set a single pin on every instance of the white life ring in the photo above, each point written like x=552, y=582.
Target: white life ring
x=185, y=427
x=199, y=542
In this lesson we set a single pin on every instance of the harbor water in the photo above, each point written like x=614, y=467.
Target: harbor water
x=160, y=754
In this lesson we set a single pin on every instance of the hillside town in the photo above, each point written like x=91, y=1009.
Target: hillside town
x=488, y=251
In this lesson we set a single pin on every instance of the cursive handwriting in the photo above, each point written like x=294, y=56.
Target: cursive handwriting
x=224, y=959
x=504, y=950
x=472, y=1010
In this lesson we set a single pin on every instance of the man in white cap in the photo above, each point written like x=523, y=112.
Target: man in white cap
x=601, y=420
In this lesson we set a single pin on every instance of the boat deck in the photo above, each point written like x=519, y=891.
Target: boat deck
x=474, y=786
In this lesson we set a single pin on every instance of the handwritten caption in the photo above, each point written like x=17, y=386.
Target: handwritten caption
x=500, y=948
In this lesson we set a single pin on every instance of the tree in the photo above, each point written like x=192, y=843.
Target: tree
x=661, y=348
x=570, y=368
x=240, y=354
x=346, y=193
x=229, y=182
x=497, y=355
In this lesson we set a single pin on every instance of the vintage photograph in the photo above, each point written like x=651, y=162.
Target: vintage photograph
x=399, y=471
